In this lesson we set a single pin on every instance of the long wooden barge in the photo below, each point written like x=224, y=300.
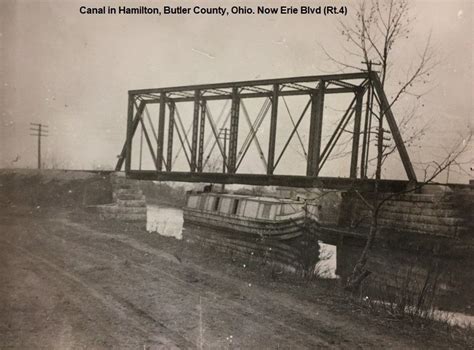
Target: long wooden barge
x=266, y=217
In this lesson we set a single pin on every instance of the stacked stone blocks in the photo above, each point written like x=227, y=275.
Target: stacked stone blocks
x=128, y=203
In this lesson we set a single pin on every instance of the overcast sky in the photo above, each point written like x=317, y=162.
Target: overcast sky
x=72, y=71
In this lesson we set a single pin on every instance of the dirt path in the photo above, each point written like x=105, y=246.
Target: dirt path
x=64, y=284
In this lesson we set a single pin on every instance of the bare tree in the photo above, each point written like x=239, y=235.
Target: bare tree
x=378, y=29
x=370, y=39
x=431, y=171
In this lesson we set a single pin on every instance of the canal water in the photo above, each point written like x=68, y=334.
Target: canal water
x=392, y=270
x=168, y=221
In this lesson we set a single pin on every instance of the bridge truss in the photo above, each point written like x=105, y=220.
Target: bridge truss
x=365, y=91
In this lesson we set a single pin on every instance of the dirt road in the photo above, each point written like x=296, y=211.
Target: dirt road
x=68, y=283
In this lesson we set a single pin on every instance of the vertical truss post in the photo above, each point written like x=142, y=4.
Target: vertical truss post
x=273, y=129
x=365, y=143
x=161, y=132
x=194, y=139
x=315, y=131
x=234, y=131
x=356, y=134
x=224, y=153
x=201, y=135
x=169, y=148
x=130, y=132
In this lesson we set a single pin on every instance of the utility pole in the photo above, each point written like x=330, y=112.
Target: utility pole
x=380, y=134
x=39, y=130
x=224, y=135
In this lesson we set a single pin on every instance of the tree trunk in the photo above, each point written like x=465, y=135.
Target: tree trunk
x=360, y=273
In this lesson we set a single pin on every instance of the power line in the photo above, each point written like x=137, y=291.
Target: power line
x=39, y=130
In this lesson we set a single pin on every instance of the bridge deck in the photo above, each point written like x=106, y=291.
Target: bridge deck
x=336, y=183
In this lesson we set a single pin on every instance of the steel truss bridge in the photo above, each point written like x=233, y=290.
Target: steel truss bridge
x=364, y=89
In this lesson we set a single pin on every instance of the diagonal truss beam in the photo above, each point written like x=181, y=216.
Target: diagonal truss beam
x=147, y=113
x=132, y=124
x=183, y=137
x=148, y=140
x=150, y=145
x=272, y=90
x=337, y=133
x=215, y=131
x=253, y=133
x=297, y=133
x=397, y=137
x=181, y=141
x=184, y=131
x=295, y=128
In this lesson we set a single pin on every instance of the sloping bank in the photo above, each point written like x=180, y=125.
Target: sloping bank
x=54, y=188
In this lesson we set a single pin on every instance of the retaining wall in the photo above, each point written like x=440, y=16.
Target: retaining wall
x=445, y=214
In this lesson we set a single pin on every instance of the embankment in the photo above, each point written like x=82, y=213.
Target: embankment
x=53, y=188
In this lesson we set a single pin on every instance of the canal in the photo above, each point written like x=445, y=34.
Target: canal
x=414, y=276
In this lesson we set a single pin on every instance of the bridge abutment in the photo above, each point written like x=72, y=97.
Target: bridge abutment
x=128, y=201
x=435, y=213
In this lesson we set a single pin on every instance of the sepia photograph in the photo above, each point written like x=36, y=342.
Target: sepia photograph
x=236, y=174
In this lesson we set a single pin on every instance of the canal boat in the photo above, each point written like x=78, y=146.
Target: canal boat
x=267, y=217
